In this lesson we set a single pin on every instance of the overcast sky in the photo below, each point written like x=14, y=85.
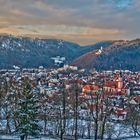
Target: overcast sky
x=81, y=21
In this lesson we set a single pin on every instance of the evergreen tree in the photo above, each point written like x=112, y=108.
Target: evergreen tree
x=27, y=113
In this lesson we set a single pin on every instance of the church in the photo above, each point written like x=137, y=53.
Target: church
x=116, y=87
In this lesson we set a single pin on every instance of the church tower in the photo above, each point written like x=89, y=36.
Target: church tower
x=119, y=83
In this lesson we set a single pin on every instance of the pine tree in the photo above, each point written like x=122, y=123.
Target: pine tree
x=27, y=114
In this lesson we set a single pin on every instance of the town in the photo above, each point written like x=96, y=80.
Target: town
x=73, y=103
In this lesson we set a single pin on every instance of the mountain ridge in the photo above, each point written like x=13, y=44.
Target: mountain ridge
x=32, y=53
x=29, y=52
x=119, y=55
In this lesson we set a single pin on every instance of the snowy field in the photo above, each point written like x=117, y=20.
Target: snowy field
x=133, y=138
x=5, y=137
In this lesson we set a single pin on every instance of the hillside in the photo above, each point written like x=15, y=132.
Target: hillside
x=50, y=53
x=119, y=55
x=28, y=52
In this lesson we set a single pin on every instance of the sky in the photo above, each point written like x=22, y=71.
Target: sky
x=81, y=21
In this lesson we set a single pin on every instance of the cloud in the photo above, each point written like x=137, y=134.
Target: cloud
x=84, y=35
x=86, y=19
x=122, y=4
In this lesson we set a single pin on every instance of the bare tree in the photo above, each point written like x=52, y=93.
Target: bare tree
x=134, y=117
x=63, y=112
x=100, y=112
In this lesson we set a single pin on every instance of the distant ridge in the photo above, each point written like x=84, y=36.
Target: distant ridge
x=32, y=53
x=119, y=55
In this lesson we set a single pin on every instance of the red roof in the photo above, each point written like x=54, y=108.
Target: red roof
x=120, y=111
x=137, y=99
x=90, y=88
x=112, y=84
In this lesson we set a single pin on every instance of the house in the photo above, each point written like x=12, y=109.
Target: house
x=90, y=88
x=119, y=114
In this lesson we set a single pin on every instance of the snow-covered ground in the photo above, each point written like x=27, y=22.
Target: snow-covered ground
x=138, y=138
x=6, y=137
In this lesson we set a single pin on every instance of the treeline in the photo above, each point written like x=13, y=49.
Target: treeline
x=26, y=112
